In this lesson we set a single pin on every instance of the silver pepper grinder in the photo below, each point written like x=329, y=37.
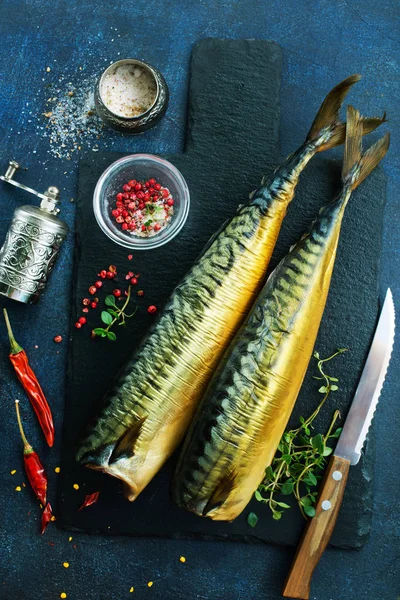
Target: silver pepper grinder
x=32, y=244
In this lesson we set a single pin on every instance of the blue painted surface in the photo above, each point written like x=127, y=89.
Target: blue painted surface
x=322, y=42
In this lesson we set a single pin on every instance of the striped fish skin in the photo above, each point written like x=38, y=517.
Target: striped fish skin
x=246, y=408
x=161, y=386
x=240, y=422
x=147, y=412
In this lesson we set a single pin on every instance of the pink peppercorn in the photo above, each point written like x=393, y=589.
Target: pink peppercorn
x=152, y=309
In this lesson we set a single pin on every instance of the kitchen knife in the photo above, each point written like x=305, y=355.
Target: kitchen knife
x=319, y=529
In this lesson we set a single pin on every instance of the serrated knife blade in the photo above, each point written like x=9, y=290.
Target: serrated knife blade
x=368, y=391
x=319, y=529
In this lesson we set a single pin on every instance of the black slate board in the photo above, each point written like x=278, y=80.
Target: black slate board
x=232, y=141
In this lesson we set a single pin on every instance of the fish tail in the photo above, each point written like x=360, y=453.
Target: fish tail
x=356, y=164
x=327, y=130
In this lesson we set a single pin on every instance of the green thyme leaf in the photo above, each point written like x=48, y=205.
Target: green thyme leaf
x=109, y=300
x=287, y=487
x=269, y=473
x=327, y=451
x=310, y=479
x=310, y=511
x=111, y=336
x=252, y=519
x=318, y=443
x=305, y=501
x=106, y=317
x=98, y=330
x=337, y=433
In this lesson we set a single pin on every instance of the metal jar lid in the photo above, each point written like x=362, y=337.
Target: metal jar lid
x=145, y=120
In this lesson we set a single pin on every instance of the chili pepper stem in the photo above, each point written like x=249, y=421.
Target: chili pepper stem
x=15, y=347
x=27, y=447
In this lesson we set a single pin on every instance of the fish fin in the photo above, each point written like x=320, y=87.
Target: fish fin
x=125, y=446
x=356, y=164
x=371, y=123
x=327, y=130
x=220, y=494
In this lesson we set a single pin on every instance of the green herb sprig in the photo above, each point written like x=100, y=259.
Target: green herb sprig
x=301, y=456
x=114, y=314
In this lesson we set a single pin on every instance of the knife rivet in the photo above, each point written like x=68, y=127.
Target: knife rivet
x=326, y=505
x=337, y=476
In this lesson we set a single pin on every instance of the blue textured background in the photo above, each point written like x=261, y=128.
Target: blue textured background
x=322, y=41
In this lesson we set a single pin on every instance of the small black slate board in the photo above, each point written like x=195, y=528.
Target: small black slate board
x=232, y=142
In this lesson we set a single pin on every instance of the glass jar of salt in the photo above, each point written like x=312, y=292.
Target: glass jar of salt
x=131, y=96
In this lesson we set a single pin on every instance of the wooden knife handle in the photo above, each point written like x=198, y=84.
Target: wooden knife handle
x=318, y=530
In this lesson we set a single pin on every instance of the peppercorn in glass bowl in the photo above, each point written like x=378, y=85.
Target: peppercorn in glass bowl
x=141, y=201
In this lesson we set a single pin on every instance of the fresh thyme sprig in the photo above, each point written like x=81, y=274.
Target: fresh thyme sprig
x=300, y=458
x=114, y=314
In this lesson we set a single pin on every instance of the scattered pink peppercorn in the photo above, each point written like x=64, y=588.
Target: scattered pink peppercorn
x=110, y=275
x=58, y=339
x=78, y=325
x=130, y=256
x=93, y=304
x=82, y=320
x=117, y=293
x=134, y=281
x=92, y=290
x=140, y=293
x=85, y=310
x=152, y=309
x=103, y=274
x=86, y=302
x=98, y=284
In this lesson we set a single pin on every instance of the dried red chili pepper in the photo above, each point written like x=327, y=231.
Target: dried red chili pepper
x=33, y=467
x=29, y=382
x=90, y=499
x=46, y=517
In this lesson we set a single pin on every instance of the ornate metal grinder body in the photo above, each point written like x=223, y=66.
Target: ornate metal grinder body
x=31, y=245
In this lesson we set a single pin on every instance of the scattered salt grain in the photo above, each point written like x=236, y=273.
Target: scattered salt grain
x=71, y=118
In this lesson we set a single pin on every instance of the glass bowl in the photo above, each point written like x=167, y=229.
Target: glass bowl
x=140, y=167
